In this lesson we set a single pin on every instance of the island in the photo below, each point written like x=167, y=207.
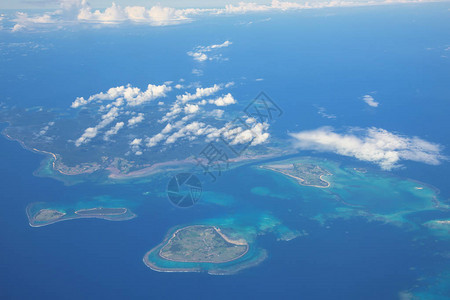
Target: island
x=102, y=211
x=198, y=248
x=42, y=213
x=307, y=174
x=202, y=244
x=48, y=215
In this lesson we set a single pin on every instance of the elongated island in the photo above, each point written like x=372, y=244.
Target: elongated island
x=42, y=214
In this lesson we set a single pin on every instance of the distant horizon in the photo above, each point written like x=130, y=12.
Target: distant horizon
x=179, y=4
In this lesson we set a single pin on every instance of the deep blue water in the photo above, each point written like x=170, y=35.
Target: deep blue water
x=96, y=258
x=332, y=61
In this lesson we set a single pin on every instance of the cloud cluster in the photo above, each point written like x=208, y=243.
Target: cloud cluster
x=122, y=100
x=128, y=95
x=181, y=104
x=113, y=131
x=74, y=12
x=136, y=146
x=374, y=145
x=200, y=52
x=92, y=132
x=136, y=120
x=200, y=93
x=370, y=101
x=226, y=100
x=254, y=133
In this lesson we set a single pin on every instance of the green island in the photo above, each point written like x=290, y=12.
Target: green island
x=202, y=244
x=42, y=214
x=203, y=248
x=307, y=174
x=112, y=161
x=48, y=215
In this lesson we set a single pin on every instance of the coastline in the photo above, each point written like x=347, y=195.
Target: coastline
x=301, y=180
x=67, y=217
x=221, y=234
x=171, y=234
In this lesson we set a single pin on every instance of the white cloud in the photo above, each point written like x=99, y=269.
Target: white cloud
x=323, y=112
x=132, y=95
x=197, y=72
x=191, y=108
x=370, y=101
x=156, y=15
x=135, y=146
x=151, y=142
x=74, y=12
x=88, y=134
x=374, y=145
x=256, y=134
x=216, y=113
x=136, y=142
x=226, y=100
x=113, y=131
x=92, y=132
x=199, y=93
x=135, y=120
x=199, y=53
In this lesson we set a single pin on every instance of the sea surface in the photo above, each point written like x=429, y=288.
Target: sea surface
x=320, y=58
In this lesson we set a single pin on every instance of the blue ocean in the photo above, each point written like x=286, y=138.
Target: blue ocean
x=307, y=62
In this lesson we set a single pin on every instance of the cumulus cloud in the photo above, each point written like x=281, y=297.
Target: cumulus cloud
x=374, y=145
x=370, y=101
x=156, y=15
x=199, y=93
x=113, y=131
x=132, y=96
x=216, y=113
x=88, y=134
x=153, y=141
x=92, y=132
x=248, y=132
x=73, y=12
x=200, y=52
x=226, y=100
x=251, y=132
x=191, y=108
x=135, y=120
x=135, y=146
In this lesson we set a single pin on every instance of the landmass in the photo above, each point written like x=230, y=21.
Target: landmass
x=42, y=214
x=200, y=248
x=202, y=244
x=102, y=211
x=53, y=133
x=48, y=215
x=305, y=173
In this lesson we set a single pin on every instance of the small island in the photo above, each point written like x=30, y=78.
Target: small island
x=48, y=215
x=42, y=214
x=305, y=173
x=101, y=211
x=199, y=248
x=202, y=244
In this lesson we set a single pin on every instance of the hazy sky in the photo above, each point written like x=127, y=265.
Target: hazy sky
x=47, y=4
